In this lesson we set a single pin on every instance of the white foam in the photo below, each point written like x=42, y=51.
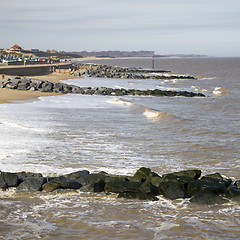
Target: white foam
x=21, y=126
x=120, y=87
x=120, y=101
x=218, y=91
x=152, y=114
x=168, y=88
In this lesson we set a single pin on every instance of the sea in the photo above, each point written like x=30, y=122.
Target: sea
x=62, y=134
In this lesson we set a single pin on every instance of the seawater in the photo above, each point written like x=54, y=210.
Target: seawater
x=62, y=134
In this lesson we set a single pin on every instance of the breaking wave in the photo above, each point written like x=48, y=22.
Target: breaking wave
x=219, y=91
x=147, y=112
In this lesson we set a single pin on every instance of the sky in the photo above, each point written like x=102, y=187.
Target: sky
x=207, y=27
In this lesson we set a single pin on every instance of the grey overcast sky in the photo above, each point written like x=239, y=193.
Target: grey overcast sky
x=210, y=27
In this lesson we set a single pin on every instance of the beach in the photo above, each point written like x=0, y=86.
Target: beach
x=9, y=95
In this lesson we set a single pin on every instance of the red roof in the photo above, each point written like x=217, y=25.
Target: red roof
x=16, y=47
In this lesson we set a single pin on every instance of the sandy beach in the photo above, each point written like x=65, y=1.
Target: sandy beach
x=9, y=95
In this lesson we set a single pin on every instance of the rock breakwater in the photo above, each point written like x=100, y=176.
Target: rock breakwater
x=143, y=185
x=30, y=84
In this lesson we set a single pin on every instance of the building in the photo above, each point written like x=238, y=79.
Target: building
x=16, y=48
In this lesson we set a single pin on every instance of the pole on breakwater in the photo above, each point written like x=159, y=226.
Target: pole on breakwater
x=153, y=64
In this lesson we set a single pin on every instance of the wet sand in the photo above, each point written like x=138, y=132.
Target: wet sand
x=9, y=95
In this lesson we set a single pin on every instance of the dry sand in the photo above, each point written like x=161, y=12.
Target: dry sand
x=8, y=95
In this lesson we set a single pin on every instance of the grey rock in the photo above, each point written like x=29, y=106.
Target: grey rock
x=32, y=184
x=8, y=180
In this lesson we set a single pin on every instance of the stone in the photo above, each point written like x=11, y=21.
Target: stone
x=120, y=186
x=32, y=184
x=172, y=189
x=35, y=83
x=216, y=178
x=193, y=187
x=207, y=197
x=75, y=175
x=47, y=87
x=145, y=173
x=94, y=187
x=94, y=182
x=8, y=180
x=57, y=87
x=61, y=182
x=22, y=175
x=237, y=183
x=233, y=193
x=195, y=174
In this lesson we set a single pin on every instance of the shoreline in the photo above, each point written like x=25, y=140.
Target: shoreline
x=10, y=95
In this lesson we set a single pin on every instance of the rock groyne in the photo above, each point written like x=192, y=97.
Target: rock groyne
x=143, y=185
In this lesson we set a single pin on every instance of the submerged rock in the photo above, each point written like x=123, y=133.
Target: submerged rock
x=233, y=193
x=206, y=197
x=139, y=196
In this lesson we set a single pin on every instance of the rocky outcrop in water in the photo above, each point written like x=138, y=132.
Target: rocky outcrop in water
x=143, y=185
x=30, y=84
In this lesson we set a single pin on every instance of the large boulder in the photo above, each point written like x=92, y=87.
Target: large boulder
x=32, y=184
x=207, y=197
x=172, y=189
x=8, y=180
x=61, y=182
